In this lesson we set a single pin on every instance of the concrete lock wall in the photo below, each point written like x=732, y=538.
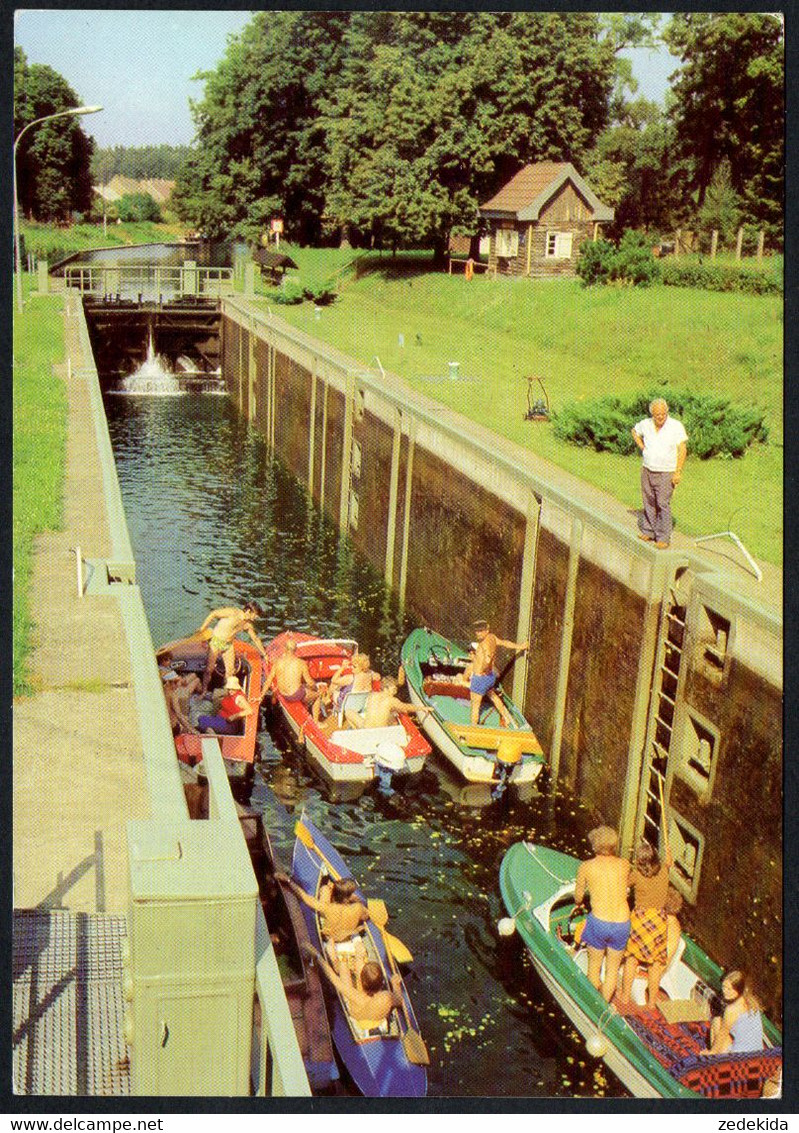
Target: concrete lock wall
x=640, y=665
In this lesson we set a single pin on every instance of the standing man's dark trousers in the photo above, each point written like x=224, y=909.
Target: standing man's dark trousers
x=656, y=493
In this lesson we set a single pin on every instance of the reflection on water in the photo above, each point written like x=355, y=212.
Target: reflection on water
x=214, y=519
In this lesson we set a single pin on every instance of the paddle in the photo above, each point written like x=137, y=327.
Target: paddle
x=663, y=817
x=394, y=946
x=379, y=914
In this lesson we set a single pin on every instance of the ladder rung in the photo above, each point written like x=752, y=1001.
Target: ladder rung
x=666, y=696
x=675, y=618
x=660, y=749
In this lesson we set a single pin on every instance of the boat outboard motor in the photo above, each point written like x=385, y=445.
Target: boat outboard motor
x=389, y=759
x=509, y=753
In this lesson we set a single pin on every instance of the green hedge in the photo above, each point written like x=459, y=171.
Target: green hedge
x=720, y=277
x=715, y=426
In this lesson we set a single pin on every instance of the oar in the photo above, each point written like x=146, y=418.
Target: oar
x=379, y=914
x=412, y=1042
x=663, y=817
x=506, y=669
x=394, y=945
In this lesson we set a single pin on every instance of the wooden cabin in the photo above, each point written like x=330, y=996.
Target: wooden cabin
x=539, y=220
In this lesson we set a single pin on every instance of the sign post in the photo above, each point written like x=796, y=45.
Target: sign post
x=277, y=228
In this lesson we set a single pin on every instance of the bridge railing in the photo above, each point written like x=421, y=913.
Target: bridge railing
x=149, y=281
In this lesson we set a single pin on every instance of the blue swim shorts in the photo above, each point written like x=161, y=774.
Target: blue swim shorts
x=482, y=682
x=605, y=934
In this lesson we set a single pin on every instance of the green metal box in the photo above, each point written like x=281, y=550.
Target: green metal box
x=193, y=898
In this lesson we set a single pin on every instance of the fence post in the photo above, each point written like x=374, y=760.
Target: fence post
x=677, y=236
x=714, y=243
x=761, y=238
x=740, y=243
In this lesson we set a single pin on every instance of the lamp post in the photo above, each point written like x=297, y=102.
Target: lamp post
x=36, y=122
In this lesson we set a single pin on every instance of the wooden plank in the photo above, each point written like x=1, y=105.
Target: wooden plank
x=490, y=738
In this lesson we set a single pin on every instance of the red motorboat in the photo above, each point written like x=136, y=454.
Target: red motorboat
x=347, y=755
x=190, y=655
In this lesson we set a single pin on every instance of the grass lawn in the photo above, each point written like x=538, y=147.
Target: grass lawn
x=39, y=422
x=583, y=343
x=49, y=242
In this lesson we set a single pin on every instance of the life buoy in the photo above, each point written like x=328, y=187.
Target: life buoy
x=469, y=272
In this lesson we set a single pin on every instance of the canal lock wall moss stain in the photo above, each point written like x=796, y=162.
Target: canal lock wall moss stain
x=463, y=557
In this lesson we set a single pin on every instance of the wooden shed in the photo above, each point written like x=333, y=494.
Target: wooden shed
x=540, y=218
x=273, y=265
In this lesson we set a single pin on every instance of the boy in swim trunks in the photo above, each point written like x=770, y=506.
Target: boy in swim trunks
x=605, y=879
x=292, y=678
x=230, y=621
x=484, y=675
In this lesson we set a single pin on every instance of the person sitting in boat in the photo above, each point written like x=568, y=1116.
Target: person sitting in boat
x=484, y=675
x=648, y=942
x=370, y=1002
x=604, y=878
x=338, y=905
x=230, y=621
x=354, y=699
x=233, y=710
x=382, y=708
x=291, y=677
x=178, y=719
x=739, y=1029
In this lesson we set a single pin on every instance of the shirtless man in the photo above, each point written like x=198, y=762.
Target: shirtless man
x=292, y=678
x=605, y=878
x=484, y=675
x=371, y=1001
x=230, y=621
x=382, y=708
x=342, y=912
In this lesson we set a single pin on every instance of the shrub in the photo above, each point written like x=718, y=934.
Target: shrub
x=715, y=426
x=322, y=295
x=721, y=277
x=138, y=206
x=288, y=293
x=629, y=262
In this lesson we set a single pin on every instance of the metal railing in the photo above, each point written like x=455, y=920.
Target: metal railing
x=149, y=281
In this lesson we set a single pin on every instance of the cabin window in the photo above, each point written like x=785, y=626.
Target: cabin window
x=559, y=245
x=699, y=746
x=687, y=846
x=507, y=242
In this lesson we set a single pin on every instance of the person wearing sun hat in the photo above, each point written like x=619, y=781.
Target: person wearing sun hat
x=233, y=709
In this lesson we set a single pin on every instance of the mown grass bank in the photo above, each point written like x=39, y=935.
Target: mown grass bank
x=583, y=343
x=40, y=429
x=52, y=243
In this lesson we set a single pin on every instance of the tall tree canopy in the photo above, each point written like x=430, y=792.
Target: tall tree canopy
x=729, y=105
x=260, y=150
x=392, y=126
x=139, y=162
x=53, y=159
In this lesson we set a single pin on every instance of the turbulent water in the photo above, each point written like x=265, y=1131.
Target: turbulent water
x=214, y=519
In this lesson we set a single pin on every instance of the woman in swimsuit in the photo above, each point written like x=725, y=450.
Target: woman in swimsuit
x=740, y=1027
x=648, y=943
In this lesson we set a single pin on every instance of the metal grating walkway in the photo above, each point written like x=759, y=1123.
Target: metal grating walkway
x=68, y=1004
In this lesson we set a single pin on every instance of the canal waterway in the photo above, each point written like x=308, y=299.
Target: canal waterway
x=214, y=518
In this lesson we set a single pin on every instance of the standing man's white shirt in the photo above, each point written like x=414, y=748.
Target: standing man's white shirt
x=660, y=445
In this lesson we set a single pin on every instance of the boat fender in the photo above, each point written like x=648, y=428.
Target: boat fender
x=509, y=751
x=389, y=755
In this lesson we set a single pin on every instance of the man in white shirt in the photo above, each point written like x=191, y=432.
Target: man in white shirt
x=663, y=442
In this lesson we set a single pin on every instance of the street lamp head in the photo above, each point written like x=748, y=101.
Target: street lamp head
x=86, y=110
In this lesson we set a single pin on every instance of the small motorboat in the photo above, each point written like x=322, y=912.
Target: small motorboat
x=347, y=755
x=482, y=753
x=288, y=930
x=389, y=1059
x=190, y=655
x=653, y=1052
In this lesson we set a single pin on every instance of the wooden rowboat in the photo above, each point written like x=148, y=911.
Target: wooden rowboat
x=654, y=1052
x=483, y=753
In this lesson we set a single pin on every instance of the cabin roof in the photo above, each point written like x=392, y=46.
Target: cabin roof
x=526, y=194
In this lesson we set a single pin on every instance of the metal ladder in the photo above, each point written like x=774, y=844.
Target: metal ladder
x=666, y=686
